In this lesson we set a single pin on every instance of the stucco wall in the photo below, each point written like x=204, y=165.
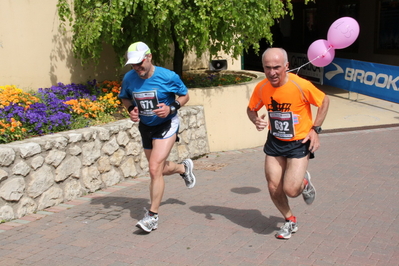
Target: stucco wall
x=35, y=54
x=225, y=107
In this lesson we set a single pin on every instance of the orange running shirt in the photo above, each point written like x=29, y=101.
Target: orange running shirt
x=288, y=106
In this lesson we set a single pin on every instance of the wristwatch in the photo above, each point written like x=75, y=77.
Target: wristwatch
x=172, y=109
x=317, y=129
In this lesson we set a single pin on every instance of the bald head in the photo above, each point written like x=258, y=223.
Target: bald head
x=275, y=66
x=275, y=51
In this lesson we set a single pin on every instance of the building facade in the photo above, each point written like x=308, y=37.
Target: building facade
x=378, y=40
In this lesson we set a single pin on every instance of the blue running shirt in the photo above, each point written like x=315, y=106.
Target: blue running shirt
x=161, y=87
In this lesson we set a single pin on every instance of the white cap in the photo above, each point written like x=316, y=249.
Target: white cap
x=136, y=53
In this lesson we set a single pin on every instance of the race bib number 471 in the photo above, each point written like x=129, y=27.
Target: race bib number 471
x=146, y=101
x=282, y=124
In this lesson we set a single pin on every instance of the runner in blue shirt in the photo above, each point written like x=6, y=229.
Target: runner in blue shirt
x=149, y=95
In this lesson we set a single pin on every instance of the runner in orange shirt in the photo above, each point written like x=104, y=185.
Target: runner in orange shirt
x=292, y=137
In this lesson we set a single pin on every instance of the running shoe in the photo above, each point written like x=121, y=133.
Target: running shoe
x=188, y=176
x=286, y=230
x=309, y=192
x=148, y=223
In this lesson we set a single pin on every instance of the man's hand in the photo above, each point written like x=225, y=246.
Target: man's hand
x=261, y=123
x=162, y=111
x=134, y=115
x=314, y=140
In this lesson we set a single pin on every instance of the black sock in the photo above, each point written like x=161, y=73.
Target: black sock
x=152, y=213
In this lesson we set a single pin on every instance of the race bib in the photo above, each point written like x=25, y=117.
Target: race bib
x=146, y=101
x=282, y=124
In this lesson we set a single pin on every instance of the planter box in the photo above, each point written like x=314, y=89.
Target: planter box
x=227, y=123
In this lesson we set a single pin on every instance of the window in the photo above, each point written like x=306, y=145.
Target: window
x=349, y=8
x=387, y=40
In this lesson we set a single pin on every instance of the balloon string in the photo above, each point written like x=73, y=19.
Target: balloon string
x=299, y=68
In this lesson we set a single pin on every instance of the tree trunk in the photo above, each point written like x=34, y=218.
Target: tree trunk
x=178, y=56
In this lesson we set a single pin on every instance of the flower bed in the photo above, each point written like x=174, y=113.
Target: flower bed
x=55, y=109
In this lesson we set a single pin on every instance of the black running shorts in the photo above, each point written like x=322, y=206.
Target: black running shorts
x=161, y=131
x=289, y=149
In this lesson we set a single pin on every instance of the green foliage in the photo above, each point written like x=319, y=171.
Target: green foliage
x=195, y=80
x=189, y=25
x=82, y=122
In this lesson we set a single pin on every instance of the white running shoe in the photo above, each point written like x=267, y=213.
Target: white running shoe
x=309, y=192
x=188, y=176
x=148, y=223
x=286, y=230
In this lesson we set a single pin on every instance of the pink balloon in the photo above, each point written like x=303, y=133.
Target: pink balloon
x=320, y=53
x=343, y=32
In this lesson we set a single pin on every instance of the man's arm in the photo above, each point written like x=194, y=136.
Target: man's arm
x=259, y=122
x=322, y=112
x=320, y=116
x=164, y=110
x=183, y=99
x=133, y=112
x=127, y=103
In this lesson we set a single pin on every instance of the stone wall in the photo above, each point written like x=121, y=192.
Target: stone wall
x=41, y=172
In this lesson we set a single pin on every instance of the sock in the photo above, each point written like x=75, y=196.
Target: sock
x=305, y=182
x=292, y=218
x=150, y=213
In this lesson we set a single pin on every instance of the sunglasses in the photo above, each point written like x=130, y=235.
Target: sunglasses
x=139, y=64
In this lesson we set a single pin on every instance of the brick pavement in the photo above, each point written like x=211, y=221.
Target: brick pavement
x=228, y=218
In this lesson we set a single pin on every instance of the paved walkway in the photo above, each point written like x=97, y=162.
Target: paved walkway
x=228, y=218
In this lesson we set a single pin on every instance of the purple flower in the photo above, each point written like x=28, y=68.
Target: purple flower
x=50, y=114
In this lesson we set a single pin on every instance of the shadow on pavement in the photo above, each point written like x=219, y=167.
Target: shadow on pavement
x=113, y=205
x=247, y=218
x=245, y=190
